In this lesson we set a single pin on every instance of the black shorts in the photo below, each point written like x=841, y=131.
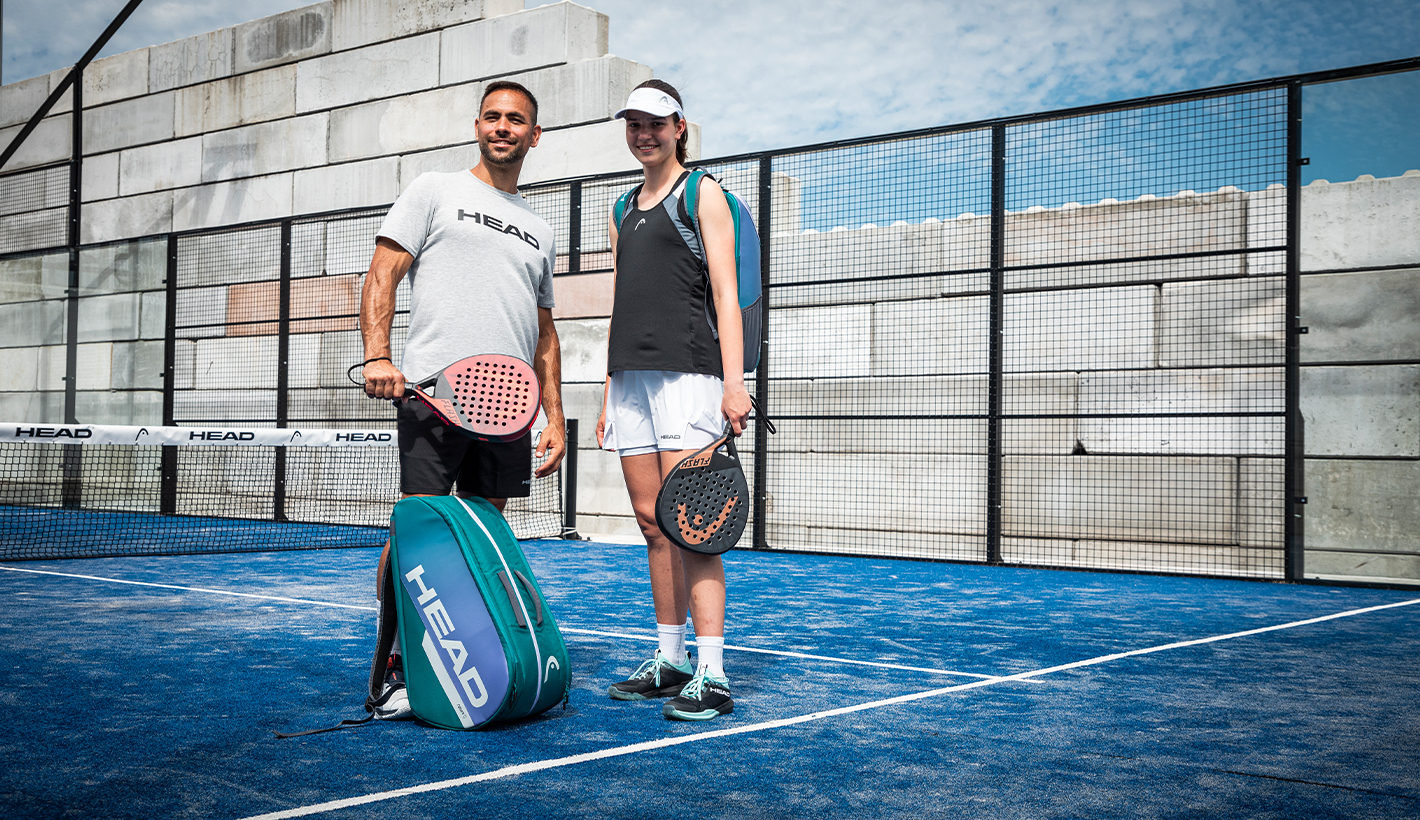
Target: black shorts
x=433, y=455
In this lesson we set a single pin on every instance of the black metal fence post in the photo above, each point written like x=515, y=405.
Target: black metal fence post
x=569, y=483
x=283, y=385
x=995, y=345
x=167, y=487
x=761, y=376
x=1294, y=498
x=73, y=458
x=574, y=228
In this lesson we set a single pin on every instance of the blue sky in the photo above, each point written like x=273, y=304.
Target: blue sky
x=762, y=74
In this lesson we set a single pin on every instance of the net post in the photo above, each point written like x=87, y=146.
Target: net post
x=283, y=349
x=569, y=483
x=760, y=535
x=995, y=345
x=1294, y=499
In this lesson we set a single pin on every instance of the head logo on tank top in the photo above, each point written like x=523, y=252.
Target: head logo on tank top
x=494, y=223
x=639, y=224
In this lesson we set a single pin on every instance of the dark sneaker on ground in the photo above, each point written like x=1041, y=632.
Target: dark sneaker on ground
x=704, y=698
x=393, y=702
x=657, y=678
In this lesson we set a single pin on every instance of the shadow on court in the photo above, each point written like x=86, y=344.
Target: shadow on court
x=875, y=688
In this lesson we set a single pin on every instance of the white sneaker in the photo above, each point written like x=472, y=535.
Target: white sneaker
x=393, y=702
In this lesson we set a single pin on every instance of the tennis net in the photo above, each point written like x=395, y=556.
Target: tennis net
x=79, y=491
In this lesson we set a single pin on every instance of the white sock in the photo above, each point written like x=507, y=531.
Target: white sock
x=672, y=638
x=712, y=655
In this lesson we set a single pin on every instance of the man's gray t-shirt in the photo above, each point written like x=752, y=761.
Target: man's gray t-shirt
x=482, y=266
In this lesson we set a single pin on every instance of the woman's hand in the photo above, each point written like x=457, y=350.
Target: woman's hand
x=735, y=406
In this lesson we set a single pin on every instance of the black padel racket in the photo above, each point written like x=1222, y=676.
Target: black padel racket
x=490, y=397
x=704, y=502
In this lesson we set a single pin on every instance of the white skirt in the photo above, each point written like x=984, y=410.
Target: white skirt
x=653, y=410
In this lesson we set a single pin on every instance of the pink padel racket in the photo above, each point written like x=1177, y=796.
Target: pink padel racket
x=490, y=397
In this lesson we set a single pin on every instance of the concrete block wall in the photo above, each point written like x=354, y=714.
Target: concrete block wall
x=1189, y=495
x=1360, y=381
x=337, y=105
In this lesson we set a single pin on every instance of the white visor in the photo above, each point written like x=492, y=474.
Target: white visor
x=653, y=101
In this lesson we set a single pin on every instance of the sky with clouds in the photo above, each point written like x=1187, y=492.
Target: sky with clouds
x=763, y=74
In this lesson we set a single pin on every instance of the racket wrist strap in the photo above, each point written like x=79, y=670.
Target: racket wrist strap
x=350, y=372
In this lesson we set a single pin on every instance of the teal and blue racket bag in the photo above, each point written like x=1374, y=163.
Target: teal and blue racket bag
x=480, y=645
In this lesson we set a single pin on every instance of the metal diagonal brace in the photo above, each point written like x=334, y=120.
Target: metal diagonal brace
x=68, y=80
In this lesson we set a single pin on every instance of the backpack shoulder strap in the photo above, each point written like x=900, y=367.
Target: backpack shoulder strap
x=623, y=206
x=689, y=204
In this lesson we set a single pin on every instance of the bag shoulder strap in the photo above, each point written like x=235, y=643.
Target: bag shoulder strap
x=689, y=203
x=622, y=207
x=386, y=625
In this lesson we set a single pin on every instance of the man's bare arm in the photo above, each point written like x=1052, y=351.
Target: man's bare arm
x=377, y=302
x=547, y=363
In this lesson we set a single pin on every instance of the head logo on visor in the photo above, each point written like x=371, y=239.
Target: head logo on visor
x=653, y=101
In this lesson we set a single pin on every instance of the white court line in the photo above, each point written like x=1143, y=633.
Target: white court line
x=620, y=751
x=782, y=653
x=187, y=589
x=787, y=654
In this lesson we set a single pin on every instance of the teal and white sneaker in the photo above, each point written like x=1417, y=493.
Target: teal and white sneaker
x=704, y=698
x=657, y=678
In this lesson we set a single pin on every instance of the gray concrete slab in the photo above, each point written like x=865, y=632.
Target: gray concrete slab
x=1237, y=322
x=265, y=148
x=1364, y=316
x=166, y=165
x=141, y=215
x=50, y=142
x=192, y=60
x=138, y=121
x=361, y=22
x=260, y=96
x=1363, y=505
x=120, y=77
x=28, y=278
x=20, y=100
x=370, y=73
x=544, y=36
x=101, y=177
x=1364, y=223
x=283, y=38
x=1362, y=410
x=230, y=203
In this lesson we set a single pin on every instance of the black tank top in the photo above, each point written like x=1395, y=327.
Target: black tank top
x=658, y=316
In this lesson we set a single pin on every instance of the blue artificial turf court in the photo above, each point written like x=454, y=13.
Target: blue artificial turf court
x=150, y=687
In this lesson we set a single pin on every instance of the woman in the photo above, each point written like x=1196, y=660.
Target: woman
x=668, y=395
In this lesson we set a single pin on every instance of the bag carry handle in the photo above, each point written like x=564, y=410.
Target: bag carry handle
x=513, y=597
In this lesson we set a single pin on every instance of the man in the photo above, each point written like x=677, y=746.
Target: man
x=480, y=269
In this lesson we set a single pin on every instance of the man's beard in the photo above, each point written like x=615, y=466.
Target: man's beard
x=511, y=158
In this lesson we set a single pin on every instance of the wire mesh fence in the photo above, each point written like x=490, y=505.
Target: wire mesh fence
x=1058, y=340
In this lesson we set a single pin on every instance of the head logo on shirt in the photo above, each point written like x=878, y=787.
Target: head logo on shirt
x=639, y=224
x=496, y=224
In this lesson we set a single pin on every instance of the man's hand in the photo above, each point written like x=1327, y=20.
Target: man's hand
x=553, y=444
x=383, y=380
